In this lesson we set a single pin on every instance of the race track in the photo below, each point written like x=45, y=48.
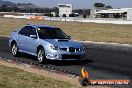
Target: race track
x=101, y=64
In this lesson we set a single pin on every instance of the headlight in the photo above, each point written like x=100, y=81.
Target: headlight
x=54, y=47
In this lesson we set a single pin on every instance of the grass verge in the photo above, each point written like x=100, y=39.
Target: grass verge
x=79, y=31
x=11, y=77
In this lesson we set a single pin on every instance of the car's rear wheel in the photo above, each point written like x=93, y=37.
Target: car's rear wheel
x=14, y=50
x=41, y=56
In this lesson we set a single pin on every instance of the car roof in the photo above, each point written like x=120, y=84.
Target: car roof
x=39, y=25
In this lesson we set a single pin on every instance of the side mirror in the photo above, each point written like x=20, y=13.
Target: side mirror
x=33, y=36
x=69, y=37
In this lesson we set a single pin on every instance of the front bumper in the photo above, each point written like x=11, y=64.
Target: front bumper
x=66, y=56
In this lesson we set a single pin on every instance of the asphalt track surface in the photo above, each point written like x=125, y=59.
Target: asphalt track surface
x=101, y=64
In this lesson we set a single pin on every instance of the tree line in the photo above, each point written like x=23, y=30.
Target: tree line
x=5, y=8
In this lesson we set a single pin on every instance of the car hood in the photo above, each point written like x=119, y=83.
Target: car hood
x=64, y=42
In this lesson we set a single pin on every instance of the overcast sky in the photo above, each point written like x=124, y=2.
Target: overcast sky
x=78, y=3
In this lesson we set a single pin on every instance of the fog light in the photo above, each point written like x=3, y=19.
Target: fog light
x=56, y=56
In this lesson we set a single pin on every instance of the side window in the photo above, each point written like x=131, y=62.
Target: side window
x=27, y=31
x=32, y=31
x=24, y=31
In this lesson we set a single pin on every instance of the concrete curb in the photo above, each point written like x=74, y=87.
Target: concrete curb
x=108, y=46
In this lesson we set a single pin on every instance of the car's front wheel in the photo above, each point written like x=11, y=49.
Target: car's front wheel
x=14, y=49
x=41, y=56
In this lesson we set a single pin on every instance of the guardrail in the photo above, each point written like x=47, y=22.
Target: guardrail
x=75, y=19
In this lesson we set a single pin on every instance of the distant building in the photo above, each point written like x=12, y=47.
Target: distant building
x=124, y=13
x=104, y=12
x=54, y=14
x=65, y=9
x=96, y=9
x=129, y=14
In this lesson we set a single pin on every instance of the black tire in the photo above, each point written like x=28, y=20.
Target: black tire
x=14, y=50
x=41, y=55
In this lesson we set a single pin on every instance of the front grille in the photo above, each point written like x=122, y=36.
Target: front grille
x=71, y=49
x=65, y=56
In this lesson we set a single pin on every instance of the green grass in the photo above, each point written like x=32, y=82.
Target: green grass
x=78, y=31
x=16, y=78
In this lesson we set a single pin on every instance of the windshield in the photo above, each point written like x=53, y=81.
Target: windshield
x=51, y=33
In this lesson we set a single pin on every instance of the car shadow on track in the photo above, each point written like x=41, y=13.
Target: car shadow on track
x=66, y=63
x=33, y=59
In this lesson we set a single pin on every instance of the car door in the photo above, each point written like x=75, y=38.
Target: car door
x=32, y=41
x=22, y=39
